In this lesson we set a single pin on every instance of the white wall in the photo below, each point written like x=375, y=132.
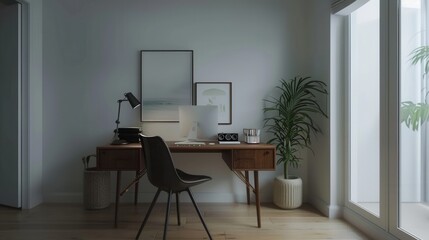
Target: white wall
x=91, y=57
x=319, y=164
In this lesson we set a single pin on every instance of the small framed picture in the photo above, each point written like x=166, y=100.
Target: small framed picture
x=218, y=94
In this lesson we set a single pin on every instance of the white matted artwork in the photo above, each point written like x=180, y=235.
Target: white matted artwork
x=218, y=94
x=166, y=83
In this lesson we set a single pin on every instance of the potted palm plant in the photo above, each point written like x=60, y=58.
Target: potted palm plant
x=289, y=118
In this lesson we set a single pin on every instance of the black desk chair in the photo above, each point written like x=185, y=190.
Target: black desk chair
x=163, y=175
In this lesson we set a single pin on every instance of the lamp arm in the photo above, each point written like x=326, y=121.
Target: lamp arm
x=119, y=113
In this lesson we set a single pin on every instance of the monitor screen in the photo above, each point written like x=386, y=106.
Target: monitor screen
x=198, y=123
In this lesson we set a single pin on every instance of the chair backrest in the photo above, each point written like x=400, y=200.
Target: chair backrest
x=159, y=164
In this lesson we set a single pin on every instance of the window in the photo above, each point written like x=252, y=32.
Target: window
x=364, y=108
x=388, y=115
x=413, y=129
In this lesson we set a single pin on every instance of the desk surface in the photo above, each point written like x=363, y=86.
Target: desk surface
x=196, y=148
x=217, y=147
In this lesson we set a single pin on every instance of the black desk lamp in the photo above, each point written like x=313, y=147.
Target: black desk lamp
x=134, y=102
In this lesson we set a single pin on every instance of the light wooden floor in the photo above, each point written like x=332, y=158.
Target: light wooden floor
x=225, y=221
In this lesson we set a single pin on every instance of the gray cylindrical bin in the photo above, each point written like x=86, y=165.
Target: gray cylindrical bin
x=96, y=186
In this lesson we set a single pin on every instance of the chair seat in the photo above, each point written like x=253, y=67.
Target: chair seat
x=192, y=179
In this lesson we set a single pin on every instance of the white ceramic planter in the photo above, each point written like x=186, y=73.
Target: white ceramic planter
x=287, y=193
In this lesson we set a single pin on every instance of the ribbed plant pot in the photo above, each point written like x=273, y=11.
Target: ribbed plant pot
x=287, y=193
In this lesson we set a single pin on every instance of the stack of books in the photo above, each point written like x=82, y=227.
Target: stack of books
x=130, y=134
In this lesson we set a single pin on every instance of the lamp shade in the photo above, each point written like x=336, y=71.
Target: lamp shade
x=134, y=102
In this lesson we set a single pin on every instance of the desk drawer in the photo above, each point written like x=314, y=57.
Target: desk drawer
x=119, y=159
x=261, y=159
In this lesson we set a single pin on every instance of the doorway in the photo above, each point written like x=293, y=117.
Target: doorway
x=10, y=103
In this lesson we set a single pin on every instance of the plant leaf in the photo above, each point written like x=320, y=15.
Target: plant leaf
x=289, y=117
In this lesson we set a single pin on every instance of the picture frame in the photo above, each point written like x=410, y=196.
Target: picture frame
x=216, y=93
x=167, y=79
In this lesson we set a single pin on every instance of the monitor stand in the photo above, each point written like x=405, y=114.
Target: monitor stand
x=190, y=143
x=192, y=135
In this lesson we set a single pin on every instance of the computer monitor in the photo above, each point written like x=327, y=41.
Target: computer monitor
x=198, y=123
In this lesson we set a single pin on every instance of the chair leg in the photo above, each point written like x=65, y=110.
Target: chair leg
x=199, y=213
x=148, y=213
x=167, y=214
x=177, y=208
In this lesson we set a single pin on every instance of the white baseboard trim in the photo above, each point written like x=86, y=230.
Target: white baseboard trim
x=146, y=197
x=335, y=211
x=367, y=227
x=331, y=211
x=320, y=205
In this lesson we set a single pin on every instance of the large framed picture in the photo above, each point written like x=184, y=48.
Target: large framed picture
x=218, y=94
x=167, y=78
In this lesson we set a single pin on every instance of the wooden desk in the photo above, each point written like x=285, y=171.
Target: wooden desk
x=239, y=158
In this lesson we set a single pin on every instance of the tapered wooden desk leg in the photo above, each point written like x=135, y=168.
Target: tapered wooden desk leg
x=246, y=174
x=118, y=190
x=136, y=190
x=258, y=202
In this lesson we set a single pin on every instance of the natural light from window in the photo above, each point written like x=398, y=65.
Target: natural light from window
x=414, y=131
x=364, y=100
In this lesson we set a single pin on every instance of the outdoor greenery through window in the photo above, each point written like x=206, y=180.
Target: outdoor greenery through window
x=414, y=113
